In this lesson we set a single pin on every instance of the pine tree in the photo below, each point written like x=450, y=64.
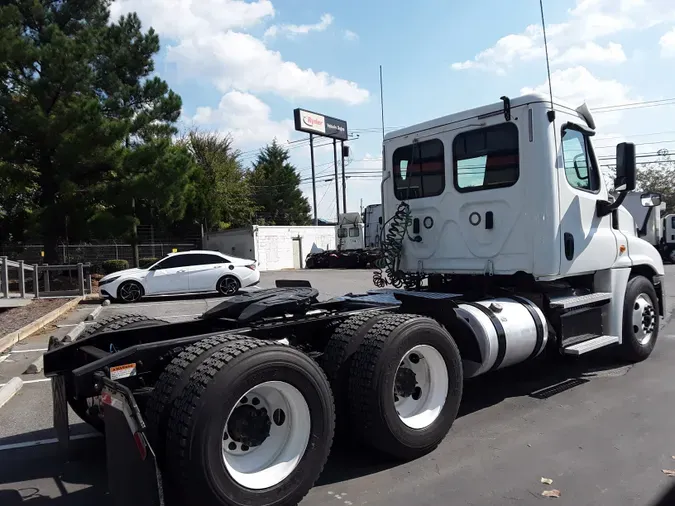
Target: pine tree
x=275, y=186
x=81, y=114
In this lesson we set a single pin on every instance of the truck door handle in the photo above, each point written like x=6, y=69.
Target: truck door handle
x=416, y=226
x=182, y=271
x=489, y=220
x=568, y=239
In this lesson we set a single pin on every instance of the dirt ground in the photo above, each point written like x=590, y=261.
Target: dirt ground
x=15, y=318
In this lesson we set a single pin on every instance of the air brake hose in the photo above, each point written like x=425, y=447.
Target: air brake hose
x=392, y=247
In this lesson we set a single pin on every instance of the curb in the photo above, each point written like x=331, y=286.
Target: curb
x=74, y=332
x=94, y=314
x=10, y=390
x=36, y=366
x=12, y=338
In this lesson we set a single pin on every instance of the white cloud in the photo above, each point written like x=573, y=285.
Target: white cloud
x=254, y=68
x=667, y=43
x=592, y=52
x=184, y=18
x=210, y=42
x=577, y=85
x=505, y=52
x=349, y=35
x=573, y=41
x=246, y=118
x=293, y=30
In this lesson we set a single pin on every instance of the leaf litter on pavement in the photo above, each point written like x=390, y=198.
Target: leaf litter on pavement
x=551, y=493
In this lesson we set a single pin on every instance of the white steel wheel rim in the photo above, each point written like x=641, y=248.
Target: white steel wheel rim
x=423, y=407
x=268, y=464
x=644, y=319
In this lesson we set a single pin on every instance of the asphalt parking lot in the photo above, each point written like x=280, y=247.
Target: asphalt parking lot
x=604, y=441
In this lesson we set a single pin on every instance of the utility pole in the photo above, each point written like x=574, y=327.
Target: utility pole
x=337, y=182
x=311, y=150
x=344, y=179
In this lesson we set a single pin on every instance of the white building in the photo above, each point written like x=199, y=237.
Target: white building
x=273, y=247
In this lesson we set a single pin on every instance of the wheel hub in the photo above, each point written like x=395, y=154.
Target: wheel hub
x=644, y=319
x=648, y=319
x=406, y=382
x=249, y=426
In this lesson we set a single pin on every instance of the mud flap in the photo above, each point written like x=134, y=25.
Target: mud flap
x=133, y=474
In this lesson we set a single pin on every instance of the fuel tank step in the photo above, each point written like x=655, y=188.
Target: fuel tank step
x=590, y=345
x=569, y=302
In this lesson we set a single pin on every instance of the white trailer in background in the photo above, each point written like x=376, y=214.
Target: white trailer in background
x=273, y=247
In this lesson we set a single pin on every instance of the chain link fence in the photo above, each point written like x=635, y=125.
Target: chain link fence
x=95, y=254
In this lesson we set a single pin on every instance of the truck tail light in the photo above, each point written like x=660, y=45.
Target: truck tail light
x=251, y=266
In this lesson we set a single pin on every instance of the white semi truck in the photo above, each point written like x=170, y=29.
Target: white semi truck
x=372, y=220
x=353, y=238
x=651, y=223
x=501, y=236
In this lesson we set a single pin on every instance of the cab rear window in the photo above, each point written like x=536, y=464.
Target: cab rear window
x=486, y=158
x=419, y=170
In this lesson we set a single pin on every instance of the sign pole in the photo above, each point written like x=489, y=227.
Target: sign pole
x=344, y=179
x=311, y=151
x=337, y=182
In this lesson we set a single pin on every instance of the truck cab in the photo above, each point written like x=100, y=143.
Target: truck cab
x=503, y=189
x=349, y=232
x=511, y=196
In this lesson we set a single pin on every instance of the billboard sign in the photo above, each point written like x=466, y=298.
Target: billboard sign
x=314, y=123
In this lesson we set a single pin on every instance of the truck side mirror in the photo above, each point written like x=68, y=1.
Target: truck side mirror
x=625, y=167
x=650, y=199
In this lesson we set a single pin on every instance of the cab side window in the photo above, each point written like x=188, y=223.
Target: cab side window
x=580, y=169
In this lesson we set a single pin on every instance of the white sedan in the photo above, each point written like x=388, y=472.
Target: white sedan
x=180, y=273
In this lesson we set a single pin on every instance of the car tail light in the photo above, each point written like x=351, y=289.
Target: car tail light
x=251, y=266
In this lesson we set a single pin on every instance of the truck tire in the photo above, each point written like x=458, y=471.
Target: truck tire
x=84, y=407
x=337, y=358
x=640, y=328
x=257, y=404
x=405, y=386
x=172, y=381
x=103, y=323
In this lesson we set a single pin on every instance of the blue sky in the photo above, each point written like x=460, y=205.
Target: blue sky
x=241, y=68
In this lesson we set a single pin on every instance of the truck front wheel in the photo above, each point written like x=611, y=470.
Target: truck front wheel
x=640, y=320
x=405, y=386
x=254, y=426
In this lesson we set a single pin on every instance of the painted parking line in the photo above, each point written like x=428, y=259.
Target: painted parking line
x=3, y=358
x=33, y=350
x=28, y=382
x=42, y=442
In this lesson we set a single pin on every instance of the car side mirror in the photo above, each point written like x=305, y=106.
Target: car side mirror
x=625, y=167
x=650, y=199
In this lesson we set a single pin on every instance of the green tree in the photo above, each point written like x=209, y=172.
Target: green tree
x=78, y=106
x=221, y=197
x=275, y=185
x=659, y=177
x=655, y=175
